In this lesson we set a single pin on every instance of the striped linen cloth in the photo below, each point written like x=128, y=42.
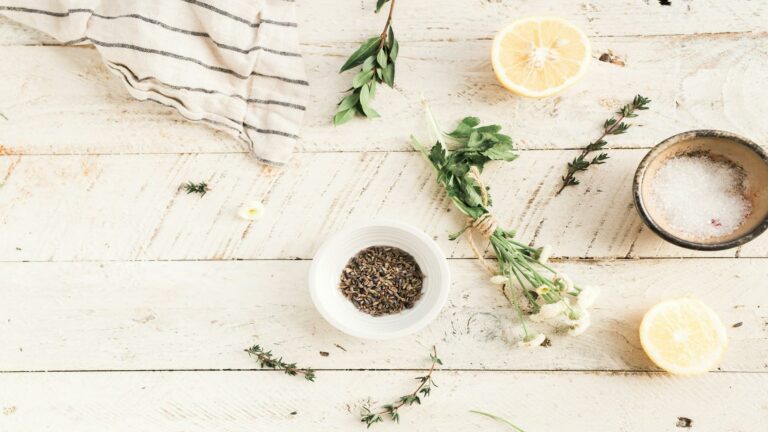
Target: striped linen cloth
x=234, y=64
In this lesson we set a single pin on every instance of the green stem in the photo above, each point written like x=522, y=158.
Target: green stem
x=498, y=419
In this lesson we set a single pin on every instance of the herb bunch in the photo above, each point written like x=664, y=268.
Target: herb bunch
x=376, y=58
x=198, y=188
x=523, y=272
x=267, y=360
x=613, y=126
x=391, y=410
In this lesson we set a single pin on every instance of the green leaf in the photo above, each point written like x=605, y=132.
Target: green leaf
x=362, y=78
x=393, y=45
x=501, y=151
x=365, y=98
x=465, y=127
x=389, y=75
x=342, y=117
x=380, y=4
x=382, y=58
x=437, y=155
x=357, y=58
x=368, y=63
x=349, y=101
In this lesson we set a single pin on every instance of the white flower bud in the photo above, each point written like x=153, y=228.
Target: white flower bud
x=532, y=341
x=498, y=280
x=543, y=290
x=253, y=210
x=563, y=281
x=548, y=311
x=580, y=325
x=587, y=296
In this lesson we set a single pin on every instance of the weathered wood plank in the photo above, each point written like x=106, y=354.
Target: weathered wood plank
x=201, y=315
x=695, y=82
x=241, y=401
x=327, y=21
x=112, y=207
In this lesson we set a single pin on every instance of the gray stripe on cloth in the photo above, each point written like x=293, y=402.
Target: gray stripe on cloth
x=158, y=23
x=237, y=18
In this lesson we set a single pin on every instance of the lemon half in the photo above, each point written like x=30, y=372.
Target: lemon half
x=683, y=336
x=540, y=56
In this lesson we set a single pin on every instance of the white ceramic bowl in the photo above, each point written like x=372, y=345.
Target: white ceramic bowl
x=330, y=260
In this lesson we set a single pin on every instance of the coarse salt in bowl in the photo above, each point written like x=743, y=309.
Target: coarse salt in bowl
x=333, y=256
x=704, y=190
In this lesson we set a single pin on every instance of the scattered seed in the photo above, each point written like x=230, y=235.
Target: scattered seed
x=324, y=353
x=737, y=325
x=684, y=422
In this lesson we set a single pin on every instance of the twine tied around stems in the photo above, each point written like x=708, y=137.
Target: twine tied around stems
x=485, y=225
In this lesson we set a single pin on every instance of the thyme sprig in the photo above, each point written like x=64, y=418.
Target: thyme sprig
x=267, y=360
x=376, y=58
x=198, y=188
x=613, y=126
x=424, y=389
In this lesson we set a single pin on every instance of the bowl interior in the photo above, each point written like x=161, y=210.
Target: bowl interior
x=340, y=312
x=718, y=146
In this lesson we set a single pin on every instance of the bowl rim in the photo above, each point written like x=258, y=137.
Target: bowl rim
x=431, y=314
x=669, y=142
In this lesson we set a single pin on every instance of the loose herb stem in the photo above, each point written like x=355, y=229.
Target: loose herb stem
x=498, y=419
x=424, y=388
x=267, y=360
x=613, y=126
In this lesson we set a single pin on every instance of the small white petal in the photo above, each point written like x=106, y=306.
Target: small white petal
x=545, y=254
x=498, y=280
x=548, y=311
x=251, y=211
x=587, y=296
x=532, y=341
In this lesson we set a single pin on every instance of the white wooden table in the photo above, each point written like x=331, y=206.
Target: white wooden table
x=125, y=304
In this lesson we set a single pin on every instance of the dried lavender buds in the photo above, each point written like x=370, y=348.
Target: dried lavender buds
x=382, y=280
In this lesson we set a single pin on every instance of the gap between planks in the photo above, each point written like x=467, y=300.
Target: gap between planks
x=604, y=372
x=561, y=259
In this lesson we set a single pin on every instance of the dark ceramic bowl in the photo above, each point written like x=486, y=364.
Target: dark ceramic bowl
x=747, y=155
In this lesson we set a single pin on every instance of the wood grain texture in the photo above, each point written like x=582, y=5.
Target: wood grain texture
x=112, y=207
x=695, y=82
x=247, y=401
x=201, y=315
x=329, y=22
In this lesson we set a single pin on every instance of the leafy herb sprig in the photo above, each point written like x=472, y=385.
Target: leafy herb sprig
x=267, y=360
x=198, y=188
x=613, y=126
x=376, y=58
x=391, y=410
x=522, y=271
